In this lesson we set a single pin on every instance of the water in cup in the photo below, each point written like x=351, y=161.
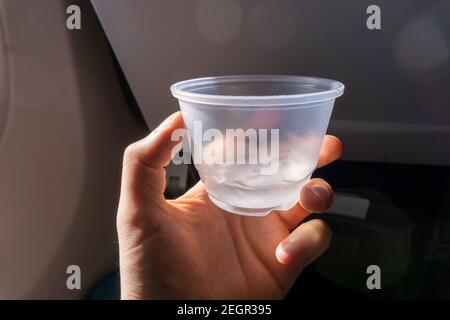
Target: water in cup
x=297, y=108
x=246, y=185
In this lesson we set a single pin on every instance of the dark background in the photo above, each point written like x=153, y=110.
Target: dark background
x=407, y=230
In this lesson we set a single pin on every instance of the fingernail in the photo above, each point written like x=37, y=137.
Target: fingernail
x=166, y=123
x=285, y=253
x=297, y=251
x=321, y=192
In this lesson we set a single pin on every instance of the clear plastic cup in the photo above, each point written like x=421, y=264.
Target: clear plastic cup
x=255, y=140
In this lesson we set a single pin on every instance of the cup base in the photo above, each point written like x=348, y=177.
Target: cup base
x=253, y=212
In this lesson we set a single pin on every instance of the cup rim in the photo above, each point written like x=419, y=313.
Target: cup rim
x=328, y=90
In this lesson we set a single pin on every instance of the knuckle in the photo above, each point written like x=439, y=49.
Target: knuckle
x=126, y=220
x=322, y=230
x=130, y=217
x=130, y=153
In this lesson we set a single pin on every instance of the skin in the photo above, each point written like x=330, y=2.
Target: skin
x=190, y=249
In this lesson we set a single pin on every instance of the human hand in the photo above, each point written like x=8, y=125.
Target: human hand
x=190, y=249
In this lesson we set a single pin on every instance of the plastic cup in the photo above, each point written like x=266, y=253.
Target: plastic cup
x=255, y=140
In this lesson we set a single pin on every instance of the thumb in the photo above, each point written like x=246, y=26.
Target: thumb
x=143, y=174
